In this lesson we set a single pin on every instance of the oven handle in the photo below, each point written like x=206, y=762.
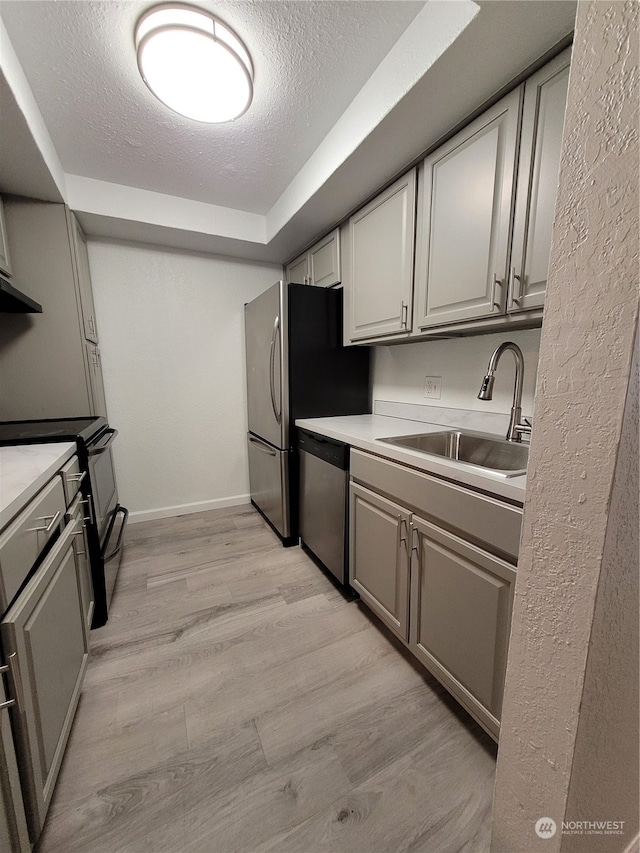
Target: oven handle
x=94, y=451
x=125, y=513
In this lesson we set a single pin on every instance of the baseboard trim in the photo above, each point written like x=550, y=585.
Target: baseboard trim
x=185, y=509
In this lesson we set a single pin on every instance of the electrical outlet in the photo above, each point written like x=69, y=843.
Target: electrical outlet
x=433, y=387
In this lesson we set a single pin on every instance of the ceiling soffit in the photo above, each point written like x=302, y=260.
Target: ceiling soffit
x=278, y=223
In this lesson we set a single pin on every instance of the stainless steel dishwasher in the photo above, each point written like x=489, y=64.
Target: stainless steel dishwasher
x=324, y=475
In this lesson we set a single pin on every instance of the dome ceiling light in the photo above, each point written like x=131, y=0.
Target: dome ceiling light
x=194, y=63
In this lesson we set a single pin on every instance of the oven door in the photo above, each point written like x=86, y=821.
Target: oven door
x=103, y=483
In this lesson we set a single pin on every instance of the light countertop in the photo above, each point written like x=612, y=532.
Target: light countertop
x=24, y=470
x=363, y=431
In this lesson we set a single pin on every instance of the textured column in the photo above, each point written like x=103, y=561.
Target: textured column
x=556, y=701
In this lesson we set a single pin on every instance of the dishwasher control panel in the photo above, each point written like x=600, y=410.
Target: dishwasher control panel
x=334, y=452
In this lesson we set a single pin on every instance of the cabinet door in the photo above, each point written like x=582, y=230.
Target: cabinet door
x=96, y=384
x=13, y=824
x=81, y=259
x=45, y=629
x=461, y=601
x=324, y=261
x=545, y=98
x=379, y=556
x=44, y=367
x=465, y=218
x=5, y=262
x=380, y=279
x=298, y=270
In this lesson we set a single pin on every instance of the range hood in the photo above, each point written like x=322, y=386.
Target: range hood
x=13, y=301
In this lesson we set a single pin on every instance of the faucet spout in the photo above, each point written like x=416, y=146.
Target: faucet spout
x=514, y=433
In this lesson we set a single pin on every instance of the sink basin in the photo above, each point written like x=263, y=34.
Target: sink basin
x=507, y=458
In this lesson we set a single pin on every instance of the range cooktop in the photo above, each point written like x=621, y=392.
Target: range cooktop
x=33, y=432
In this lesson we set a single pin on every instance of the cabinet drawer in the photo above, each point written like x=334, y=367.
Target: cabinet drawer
x=483, y=520
x=72, y=476
x=24, y=539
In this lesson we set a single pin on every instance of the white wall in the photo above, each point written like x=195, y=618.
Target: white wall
x=171, y=328
x=399, y=371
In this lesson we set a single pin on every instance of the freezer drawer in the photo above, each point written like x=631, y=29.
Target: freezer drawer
x=269, y=483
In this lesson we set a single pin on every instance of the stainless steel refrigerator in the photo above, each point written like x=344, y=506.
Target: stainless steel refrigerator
x=296, y=368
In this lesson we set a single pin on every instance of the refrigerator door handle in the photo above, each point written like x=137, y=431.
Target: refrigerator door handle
x=272, y=378
x=262, y=446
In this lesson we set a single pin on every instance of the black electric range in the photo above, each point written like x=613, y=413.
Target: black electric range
x=107, y=519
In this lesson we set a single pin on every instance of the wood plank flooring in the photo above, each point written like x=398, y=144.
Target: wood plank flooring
x=238, y=701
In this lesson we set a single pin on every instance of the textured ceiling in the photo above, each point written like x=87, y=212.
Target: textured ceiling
x=311, y=58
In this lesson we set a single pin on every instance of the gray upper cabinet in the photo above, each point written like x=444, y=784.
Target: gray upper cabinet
x=96, y=383
x=378, y=275
x=320, y=265
x=545, y=97
x=464, y=220
x=80, y=257
x=5, y=262
x=50, y=364
x=298, y=270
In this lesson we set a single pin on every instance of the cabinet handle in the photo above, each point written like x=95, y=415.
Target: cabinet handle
x=512, y=280
x=48, y=527
x=78, y=551
x=404, y=313
x=87, y=503
x=76, y=478
x=497, y=282
x=12, y=668
x=415, y=542
x=401, y=537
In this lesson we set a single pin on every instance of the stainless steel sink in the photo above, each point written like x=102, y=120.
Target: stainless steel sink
x=507, y=458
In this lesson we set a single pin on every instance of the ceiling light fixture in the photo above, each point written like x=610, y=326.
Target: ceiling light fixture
x=194, y=63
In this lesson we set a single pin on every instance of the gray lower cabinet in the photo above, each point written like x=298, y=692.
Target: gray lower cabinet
x=462, y=599
x=50, y=363
x=45, y=635
x=379, y=558
x=14, y=836
x=378, y=265
x=421, y=559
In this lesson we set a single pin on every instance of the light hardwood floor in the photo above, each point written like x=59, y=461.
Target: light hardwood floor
x=238, y=701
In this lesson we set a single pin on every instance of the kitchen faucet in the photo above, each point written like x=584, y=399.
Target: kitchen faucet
x=516, y=429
